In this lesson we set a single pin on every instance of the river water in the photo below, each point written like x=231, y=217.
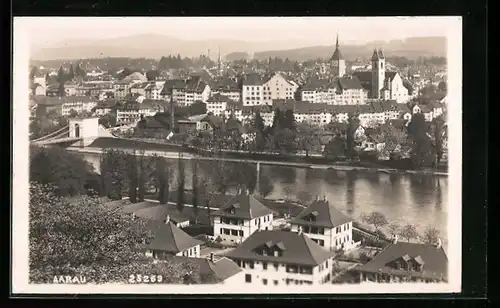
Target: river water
x=420, y=200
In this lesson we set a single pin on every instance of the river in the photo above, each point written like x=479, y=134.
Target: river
x=420, y=200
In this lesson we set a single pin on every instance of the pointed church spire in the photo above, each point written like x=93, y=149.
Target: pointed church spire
x=337, y=42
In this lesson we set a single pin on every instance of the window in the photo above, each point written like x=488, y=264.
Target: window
x=251, y=264
x=276, y=266
x=248, y=278
x=264, y=265
x=275, y=282
x=264, y=281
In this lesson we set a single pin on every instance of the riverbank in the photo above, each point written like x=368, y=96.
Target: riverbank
x=183, y=154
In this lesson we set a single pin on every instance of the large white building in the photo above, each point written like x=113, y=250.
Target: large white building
x=78, y=104
x=240, y=217
x=381, y=83
x=325, y=225
x=278, y=258
x=262, y=91
x=218, y=104
x=346, y=90
x=131, y=113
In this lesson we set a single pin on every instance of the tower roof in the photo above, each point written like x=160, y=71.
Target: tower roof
x=337, y=55
x=375, y=55
x=381, y=54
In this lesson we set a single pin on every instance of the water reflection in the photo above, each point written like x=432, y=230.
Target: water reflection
x=416, y=199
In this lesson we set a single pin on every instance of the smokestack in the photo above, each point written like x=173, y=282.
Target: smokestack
x=300, y=230
x=212, y=256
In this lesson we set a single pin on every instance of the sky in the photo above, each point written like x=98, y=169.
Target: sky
x=314, y=30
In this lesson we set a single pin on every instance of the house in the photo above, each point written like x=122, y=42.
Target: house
x=325, y=225
x=139, y=88
x=162, y=212
x=345, y=90
x=217, y=104
x=173, y=89
x=280, y=258
x=425, y=110
x=78, y=104
x=168, y=239
x=136, y=77
x=402, y=261
x=122, y=88
x=153, y=90
x=44, y=105
x=253, y=90
x=196, y=90
x=215, y=269
x=228, y=88
x=131, y=112
x=277, y=87
x=38, y=89
x=240, y=217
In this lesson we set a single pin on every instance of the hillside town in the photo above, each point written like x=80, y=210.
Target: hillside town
x=223, y=227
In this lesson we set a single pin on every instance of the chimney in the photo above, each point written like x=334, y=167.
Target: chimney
x=439, y=243
x=212, y=257
x=325, y=198
x=300, y=230
x=248, y=191
x=395, y=239
x=317, y=198
x=168, y=219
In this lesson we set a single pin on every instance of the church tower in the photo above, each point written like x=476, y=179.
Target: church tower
x=378, y=73
x=337, y=61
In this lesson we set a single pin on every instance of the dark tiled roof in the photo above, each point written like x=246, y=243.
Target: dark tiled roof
x=375, y=55
x=316, y=84
x=365, y=78
x=220, y=269
x=244, y=206
x=170, y=238
x=219, y=98
x=252, y=80
x=172, y=84
x=296, y=248
x=196, y=84
x=350, y=82
x=325, y=215
x=390, y=75
x=435, y=259
x=159, y=212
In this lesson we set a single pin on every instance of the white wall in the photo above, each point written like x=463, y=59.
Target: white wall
x=248, y=227
x=332, y=238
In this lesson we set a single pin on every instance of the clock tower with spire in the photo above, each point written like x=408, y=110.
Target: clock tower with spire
x=337, y=62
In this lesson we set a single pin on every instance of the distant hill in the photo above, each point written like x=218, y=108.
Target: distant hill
x=156, y=46
x=410, y=48
x=237, y=56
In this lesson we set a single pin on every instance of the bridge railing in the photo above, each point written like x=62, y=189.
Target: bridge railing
x=50, y=135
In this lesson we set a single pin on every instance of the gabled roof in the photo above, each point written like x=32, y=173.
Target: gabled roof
x=243, y=206
x=252, y=79
x=220, y=269
x=219, y=98
x=349, y=82
x=325, y=215
x=435, y=259
x=170, y=238
x=297, y=249
x=173, y=84
x=135, y=76
x=159, y=212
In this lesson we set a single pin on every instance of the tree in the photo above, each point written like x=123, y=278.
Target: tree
x=108, y=120
x=376, y=219
x=288, y=191
x=197, y=108
x=443, y=86
x=114, y=173
x=68, y=172
x=180, y=184
x=71, y=73
x=408, y=232
x=162, y=175
x=258, y=124
x=335, y=148
x=393, y=229
x=438, y=131
x=307, y=138
x=265, y=186
x=420, y=141
x=304, y=197
x=33, y=72
x=132, y=177
x=85, y=238
x=194, y=164
x=143, y=175
x=288, y=120
x=431, y=235
x=151, y=75
x=352, y=124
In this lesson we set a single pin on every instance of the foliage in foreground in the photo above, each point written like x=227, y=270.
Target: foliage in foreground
x=83, y=237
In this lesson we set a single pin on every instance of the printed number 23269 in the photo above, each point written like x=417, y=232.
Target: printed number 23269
x=138, y=278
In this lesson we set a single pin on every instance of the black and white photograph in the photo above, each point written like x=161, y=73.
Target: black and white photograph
x=180, y=155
